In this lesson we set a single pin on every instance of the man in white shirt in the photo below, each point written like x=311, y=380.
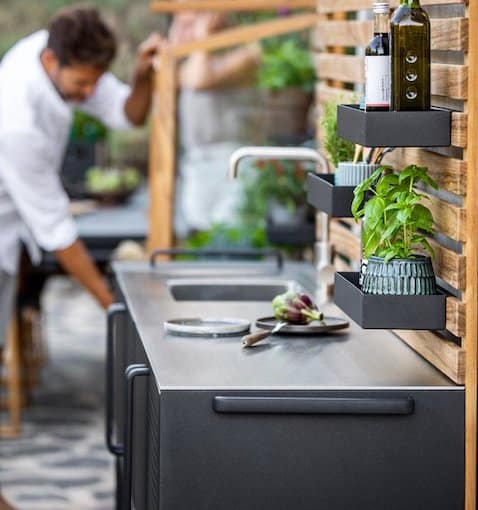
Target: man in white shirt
x=42, y=79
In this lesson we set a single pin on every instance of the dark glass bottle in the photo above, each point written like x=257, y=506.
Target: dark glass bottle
x=410, y=45
x=377, y=61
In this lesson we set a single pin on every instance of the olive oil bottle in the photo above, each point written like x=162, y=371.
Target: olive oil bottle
x=410, y=47
x=377, y=61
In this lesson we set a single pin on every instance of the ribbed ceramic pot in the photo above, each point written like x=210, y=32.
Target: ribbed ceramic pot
x=401, y=277
x=352, y=174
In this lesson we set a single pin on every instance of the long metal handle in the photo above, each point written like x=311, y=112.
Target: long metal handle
x=313, y=405
x=113, y=311
x=272, y=153
x=132, y=372
x=220, y=253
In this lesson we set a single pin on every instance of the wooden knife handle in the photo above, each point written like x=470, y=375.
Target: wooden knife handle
x=253, y=338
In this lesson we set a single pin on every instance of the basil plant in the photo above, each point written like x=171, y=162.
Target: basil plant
x=395, y=221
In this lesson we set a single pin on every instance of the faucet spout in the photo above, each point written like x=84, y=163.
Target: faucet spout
x=290, y=153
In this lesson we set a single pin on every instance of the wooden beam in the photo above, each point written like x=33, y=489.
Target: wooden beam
x=450, y=173
x=450, y=80
x=443, y=354
x=346, y=68
x=471, y=253
x=449, y=266
x=447, y=79
x=449, y=219
x=230, y=5
x=450, y=34
x=326, y=93
x=459, y=129
x=329, y=6
x=245, y=34
x=162, y=167
x=345, y=241
x=456, y=317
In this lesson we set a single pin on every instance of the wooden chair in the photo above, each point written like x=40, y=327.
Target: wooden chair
x=11, y=364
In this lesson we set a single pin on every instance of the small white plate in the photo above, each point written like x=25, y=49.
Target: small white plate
x=207, y=327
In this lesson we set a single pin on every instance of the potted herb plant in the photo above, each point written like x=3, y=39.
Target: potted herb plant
x=395, y=224
x=341, y=152
x=287, y=77
x=85, y=149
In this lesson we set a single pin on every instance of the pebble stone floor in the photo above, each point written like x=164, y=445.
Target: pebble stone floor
x=60, y=462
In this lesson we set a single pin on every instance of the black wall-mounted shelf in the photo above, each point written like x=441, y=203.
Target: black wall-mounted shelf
x=388, y=312
x=394, y=129
x=302, y=234
x=322, y=193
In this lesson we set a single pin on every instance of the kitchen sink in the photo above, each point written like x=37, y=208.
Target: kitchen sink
x=229, y=290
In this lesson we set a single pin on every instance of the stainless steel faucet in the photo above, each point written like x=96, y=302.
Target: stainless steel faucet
x=325, y=270
x=291, y=153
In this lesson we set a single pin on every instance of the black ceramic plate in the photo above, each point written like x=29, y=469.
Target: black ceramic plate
x=314, y=328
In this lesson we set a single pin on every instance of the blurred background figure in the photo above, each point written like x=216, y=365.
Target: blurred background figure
x=218, y=112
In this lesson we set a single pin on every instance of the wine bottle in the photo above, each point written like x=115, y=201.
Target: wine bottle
x=377, y=61
x=410, y=46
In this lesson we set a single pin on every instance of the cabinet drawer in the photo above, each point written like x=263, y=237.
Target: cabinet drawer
x=331, y=450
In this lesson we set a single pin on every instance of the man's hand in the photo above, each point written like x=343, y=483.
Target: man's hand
x=139, y=102
x=145, y=55
x=77, y=262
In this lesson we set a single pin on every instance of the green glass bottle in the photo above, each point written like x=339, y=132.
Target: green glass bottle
x=410, y=41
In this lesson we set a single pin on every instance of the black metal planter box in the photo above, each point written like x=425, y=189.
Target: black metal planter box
x=291, y=234
x=388, y=312
x=322, y=193
x=394, y=129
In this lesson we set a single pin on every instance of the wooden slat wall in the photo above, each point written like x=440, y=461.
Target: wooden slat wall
x=455, y=211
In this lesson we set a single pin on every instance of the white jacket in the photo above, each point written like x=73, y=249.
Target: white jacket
x=34, y=129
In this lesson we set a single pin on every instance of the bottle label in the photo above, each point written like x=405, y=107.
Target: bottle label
x=377, y=81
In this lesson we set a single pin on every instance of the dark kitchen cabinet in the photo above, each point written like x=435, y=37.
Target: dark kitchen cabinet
x=275, y=442
x=333, y=459
x=125, y=350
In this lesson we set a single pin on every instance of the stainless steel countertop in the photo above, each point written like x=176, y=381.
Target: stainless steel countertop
x=356, y=359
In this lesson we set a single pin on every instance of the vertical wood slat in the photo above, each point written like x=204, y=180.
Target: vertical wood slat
x=162, y=167
x=471, y=253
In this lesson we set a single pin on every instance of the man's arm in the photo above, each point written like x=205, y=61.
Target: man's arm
x=139, y=101
x=76, y=261
x=203, y=71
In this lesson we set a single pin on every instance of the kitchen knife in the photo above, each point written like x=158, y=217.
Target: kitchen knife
x=253, y=338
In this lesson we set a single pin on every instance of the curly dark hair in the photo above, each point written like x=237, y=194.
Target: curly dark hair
x=78, y=35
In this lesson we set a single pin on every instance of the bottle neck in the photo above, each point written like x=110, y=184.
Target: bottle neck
x=380, y=23
x=414, y=3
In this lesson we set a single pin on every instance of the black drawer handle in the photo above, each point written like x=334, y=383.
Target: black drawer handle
x=114, y=311
x=132, y=372
x=313, y=405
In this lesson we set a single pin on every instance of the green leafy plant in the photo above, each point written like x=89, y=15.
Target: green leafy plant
x=338, y=149
x=86, y=128
x=394, y=219
x=281, y=182
x=286, y=64
x=221, y=235
x=111, y=180
x=276, y=181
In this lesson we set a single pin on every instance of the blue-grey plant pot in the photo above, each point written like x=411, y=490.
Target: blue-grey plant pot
x=352, y=174
x=400, y=277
